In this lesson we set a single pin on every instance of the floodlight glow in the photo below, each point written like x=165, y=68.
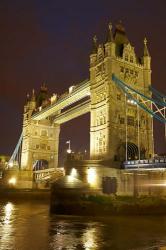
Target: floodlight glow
x=12, y=181
x=91, y=176
x=73, y=172
x=11, y=164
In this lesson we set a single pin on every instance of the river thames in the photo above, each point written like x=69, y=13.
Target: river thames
x=30, y=226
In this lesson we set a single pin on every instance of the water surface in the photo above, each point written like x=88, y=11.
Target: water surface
x=30, y=226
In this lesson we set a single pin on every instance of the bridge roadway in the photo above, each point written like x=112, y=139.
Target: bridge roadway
x=79, y=92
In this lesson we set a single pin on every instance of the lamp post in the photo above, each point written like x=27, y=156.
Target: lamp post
x=69, y=147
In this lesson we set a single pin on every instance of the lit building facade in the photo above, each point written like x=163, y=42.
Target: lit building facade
x=116, y=121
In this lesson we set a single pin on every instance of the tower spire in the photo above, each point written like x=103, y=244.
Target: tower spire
x=95, y=46
x=146, y=51
x=110, y=35
x=33, y=95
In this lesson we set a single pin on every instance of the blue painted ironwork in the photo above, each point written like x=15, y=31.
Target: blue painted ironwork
x=129, y=92
x=158, y=94
x=16, y=156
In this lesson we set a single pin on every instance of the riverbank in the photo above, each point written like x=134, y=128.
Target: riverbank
x=25, y=194
x=100, y=205
x=90, y=205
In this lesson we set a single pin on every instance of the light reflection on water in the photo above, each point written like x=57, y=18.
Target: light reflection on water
x=29, y=226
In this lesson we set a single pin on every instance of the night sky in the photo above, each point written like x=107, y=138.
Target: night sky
x=50, y=41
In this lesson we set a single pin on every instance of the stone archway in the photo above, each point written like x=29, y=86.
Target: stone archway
x=132, y=151
x=40, y=165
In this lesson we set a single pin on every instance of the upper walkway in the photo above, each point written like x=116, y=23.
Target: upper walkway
x=79, y=92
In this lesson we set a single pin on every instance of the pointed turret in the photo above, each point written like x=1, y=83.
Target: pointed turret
x=93, y=55
x=120, y=34
x=146, y=56
x=110, y=37
x=147, y=65
x=146, y=51
x=33, y=98
x=110, y=43
x=27, y=97
x=95, y=45
x=42, y=96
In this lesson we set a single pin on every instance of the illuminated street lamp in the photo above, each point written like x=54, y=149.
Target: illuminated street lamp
x=69, y=147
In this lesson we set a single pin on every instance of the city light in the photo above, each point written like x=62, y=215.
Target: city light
x=69, y=148
x=68, y=151
x=130, y=101
x=12, y=181
x=73, y=173
x=11, y=164
x=91, y=176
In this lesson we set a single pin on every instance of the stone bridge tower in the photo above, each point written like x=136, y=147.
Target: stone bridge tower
x=114, y=118
x=40, y=138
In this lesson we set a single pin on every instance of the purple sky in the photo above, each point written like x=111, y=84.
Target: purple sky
x=50, y=41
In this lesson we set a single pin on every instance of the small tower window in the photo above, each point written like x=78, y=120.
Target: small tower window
x=131, y=59
x=43, y=146
x=127, y=70
x=122, y=120
x=121, y=69
x=44, y=133
x=118, y=97
x=136, y=73
x=126, y=57
x=130, y=120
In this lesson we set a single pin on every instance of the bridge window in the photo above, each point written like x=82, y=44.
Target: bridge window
x=126, y=57
x=100, y=141
x=122, y=120
x=127, y=70
x=130, y=120
x=44, y=133
x=122, y=69
x=118, y=97
x=131, y=59
x=100, y=120
x=43, y=146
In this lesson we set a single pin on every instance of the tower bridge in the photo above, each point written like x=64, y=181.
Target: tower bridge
x=119, y=97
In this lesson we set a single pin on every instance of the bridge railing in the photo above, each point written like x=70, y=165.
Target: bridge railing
x=145, y=163
x=47, y=174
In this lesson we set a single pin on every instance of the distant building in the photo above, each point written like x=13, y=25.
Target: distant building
x=4, y=160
